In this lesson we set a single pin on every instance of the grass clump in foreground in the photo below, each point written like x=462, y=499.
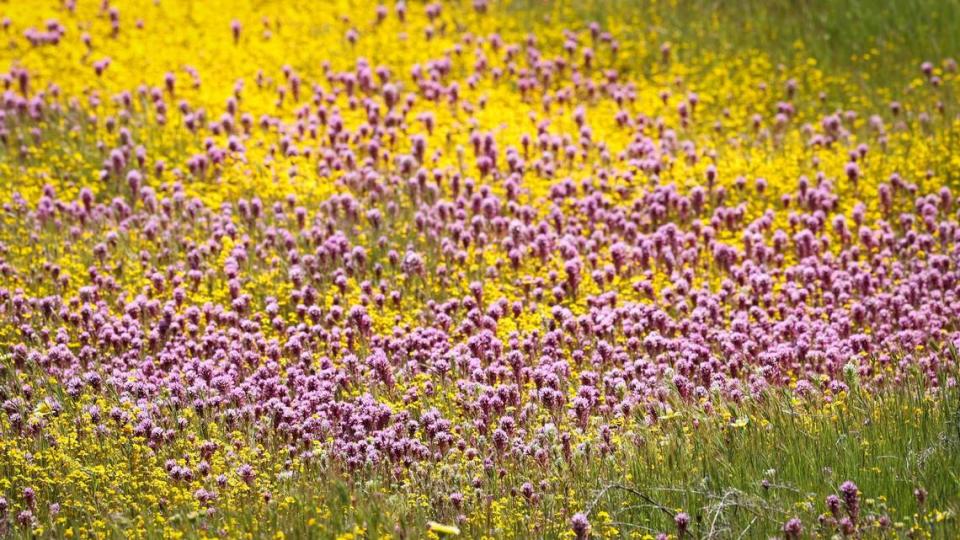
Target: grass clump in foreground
x=784, y=458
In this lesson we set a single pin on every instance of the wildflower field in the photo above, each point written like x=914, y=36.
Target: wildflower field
x=489, y=268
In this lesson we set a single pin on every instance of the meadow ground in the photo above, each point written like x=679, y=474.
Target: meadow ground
x=496, y=269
